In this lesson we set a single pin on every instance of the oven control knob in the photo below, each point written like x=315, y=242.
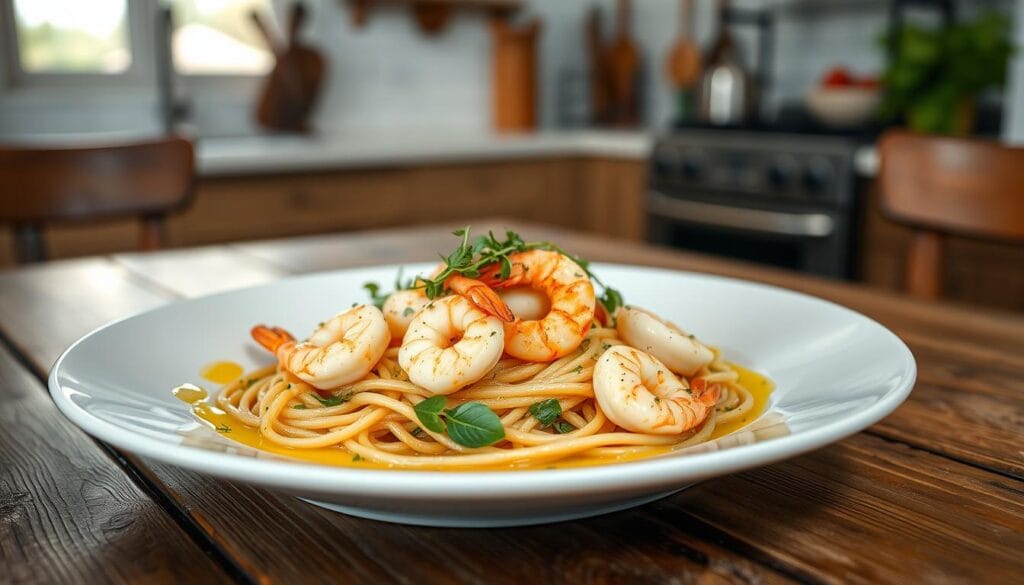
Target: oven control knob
x=693, y=167
x=818, y=176
x=663, y=164
x=782, y=173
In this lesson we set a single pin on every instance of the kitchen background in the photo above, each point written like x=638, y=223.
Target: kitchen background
x=404, y=129
x=388, y=76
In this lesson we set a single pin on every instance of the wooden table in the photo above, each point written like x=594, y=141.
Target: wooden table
x=934, y=493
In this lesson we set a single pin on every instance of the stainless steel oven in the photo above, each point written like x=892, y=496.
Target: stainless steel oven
x=782, y=199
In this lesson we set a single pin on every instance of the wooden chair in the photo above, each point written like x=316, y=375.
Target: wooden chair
x=40, y=186
x=942, y=185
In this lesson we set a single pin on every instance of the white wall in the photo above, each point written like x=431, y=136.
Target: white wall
x=1013, y=126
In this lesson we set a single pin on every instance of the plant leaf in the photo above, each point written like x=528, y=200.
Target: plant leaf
x=332, y=400
x=429, y=413
x=472, y=424
x=546, y=411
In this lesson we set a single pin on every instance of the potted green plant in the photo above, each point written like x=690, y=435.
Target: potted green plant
x=936, y=74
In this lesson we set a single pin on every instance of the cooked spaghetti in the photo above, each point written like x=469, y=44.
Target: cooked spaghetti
x=585, y=393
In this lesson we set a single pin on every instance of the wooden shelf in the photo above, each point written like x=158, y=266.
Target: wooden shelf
x=433, y=15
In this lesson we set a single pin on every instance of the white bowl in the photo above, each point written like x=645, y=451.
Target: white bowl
x=836, y=372
x=843, y=107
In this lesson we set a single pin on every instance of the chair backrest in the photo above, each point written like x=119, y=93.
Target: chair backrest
x=964, y=186
x=40, y=186
x=943, y=185
x=43, y=185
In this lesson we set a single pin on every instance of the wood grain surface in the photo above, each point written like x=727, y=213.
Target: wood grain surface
x=931, y=494
x=69, y=513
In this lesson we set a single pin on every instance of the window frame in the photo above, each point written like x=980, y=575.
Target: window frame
x=140, y=74
x=138, y=14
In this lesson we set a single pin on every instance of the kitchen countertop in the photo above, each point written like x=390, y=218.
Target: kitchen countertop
x=279, y=154
x=249, y=155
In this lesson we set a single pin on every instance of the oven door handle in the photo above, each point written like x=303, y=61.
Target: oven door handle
x=815, y=225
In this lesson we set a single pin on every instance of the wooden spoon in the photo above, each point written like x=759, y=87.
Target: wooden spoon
x=684, y=60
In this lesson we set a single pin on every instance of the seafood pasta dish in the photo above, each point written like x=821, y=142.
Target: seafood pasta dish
x=509, y=354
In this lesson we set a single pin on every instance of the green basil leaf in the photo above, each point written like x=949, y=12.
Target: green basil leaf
x=546, y=411
x=472, y=424
x=429, y=413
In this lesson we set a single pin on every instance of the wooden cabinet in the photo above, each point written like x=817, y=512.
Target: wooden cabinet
x=598, y=195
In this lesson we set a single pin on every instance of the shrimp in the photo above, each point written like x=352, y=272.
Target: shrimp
x=571, y=297
x=402, y=306
x=526, y=303
x=451, y=344
x=638, y=393
x=678, y=350
x=343, y=349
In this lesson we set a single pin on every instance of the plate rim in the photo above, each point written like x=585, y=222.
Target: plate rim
x=657, y=472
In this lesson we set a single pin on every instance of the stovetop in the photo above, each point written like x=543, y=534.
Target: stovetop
x=794, y=121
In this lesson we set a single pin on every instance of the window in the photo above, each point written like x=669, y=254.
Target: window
x=96, y=41
x=56, y=36
x=218, y=37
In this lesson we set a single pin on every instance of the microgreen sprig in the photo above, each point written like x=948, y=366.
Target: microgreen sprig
x=468, y=259
x=471, y=256
x=378, y=298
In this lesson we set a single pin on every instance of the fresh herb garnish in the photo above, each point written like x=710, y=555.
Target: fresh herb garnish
x=546, y=411
x=375, y=295
x=563, y=427
x=429, y=413
x=299, y=406
x=332, y=400
x=469, y=259
x=378, y=297
x=223, y=429
x=470, y=424
x=356, y=458
x=418, y=432
x=408, y=311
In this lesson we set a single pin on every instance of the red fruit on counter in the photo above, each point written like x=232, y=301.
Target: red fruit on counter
x=837, y=77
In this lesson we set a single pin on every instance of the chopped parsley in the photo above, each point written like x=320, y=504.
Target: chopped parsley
x=546, y=411
x=332, y=400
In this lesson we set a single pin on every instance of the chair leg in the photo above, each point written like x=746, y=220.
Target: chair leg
x=924, y=265
x=28, y=244
x=151, y=232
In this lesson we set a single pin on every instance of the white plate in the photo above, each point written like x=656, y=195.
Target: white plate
x=836, y=372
